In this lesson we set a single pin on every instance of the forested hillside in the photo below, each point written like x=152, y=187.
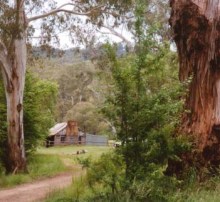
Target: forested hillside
x=80, y=94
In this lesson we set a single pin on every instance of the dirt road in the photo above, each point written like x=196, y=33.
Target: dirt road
x=38, y=190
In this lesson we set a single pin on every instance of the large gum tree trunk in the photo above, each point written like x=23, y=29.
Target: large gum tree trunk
x=13, y=61
x=196, y=27
x=14, y=96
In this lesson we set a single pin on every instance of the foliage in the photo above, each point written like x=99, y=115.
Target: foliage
x=39, y=107
x=145, y=124
x=103, y=181
x=85, y=162
x=145, y=116
x=81, y=192
x=145, y=104
x=108, y=171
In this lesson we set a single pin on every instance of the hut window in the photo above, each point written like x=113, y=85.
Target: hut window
x=62, y=138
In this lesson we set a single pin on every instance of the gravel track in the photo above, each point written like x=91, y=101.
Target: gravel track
x=38, y=190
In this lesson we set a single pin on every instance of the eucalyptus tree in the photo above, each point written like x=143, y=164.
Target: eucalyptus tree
x=17, y=20
x=196, y=27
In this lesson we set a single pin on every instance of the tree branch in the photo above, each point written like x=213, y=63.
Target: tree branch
x=60, y=9
x=22, y=3
x=115, y=15
x=114, y=32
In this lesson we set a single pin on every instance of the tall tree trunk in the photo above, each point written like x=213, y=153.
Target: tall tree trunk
x=14, y=68
x=196, y=27
x=14, y=96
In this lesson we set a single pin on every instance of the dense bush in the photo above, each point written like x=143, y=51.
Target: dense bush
x=39, y=108
x=108, y=172
x=145, y=111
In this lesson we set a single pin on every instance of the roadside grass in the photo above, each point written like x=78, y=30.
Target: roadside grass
x=208, y=191
x=45, y=165
x=200, y=195
x=47, y=162
x=39, y=166
x=78, y=191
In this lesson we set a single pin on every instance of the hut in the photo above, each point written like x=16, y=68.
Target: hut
x=65, y=133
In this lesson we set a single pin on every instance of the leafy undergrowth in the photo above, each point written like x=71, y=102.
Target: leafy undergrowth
x=80, y=191
x=104, y=182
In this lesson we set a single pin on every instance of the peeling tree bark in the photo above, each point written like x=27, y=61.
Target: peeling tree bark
x=196, y=27
x=14, y=96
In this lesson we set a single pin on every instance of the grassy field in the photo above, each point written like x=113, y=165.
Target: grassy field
x=93, y=151
x=68, y=153
x=47, y=162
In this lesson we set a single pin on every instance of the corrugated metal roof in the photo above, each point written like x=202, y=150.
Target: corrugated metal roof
x=57, y=128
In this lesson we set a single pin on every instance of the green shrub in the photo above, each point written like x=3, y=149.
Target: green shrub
x=85, y=162
x=108, y=172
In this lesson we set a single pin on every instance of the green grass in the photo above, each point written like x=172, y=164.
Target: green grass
x=68, y=153
x=51, y=161
x=203, y=196
x=78, y=191
x=200, y=192
x=93, y=151
x=39, y=166
x=45, y=165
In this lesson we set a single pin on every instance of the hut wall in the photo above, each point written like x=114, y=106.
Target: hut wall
x=96, y=140
x=70, y=139
x=57, y=140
